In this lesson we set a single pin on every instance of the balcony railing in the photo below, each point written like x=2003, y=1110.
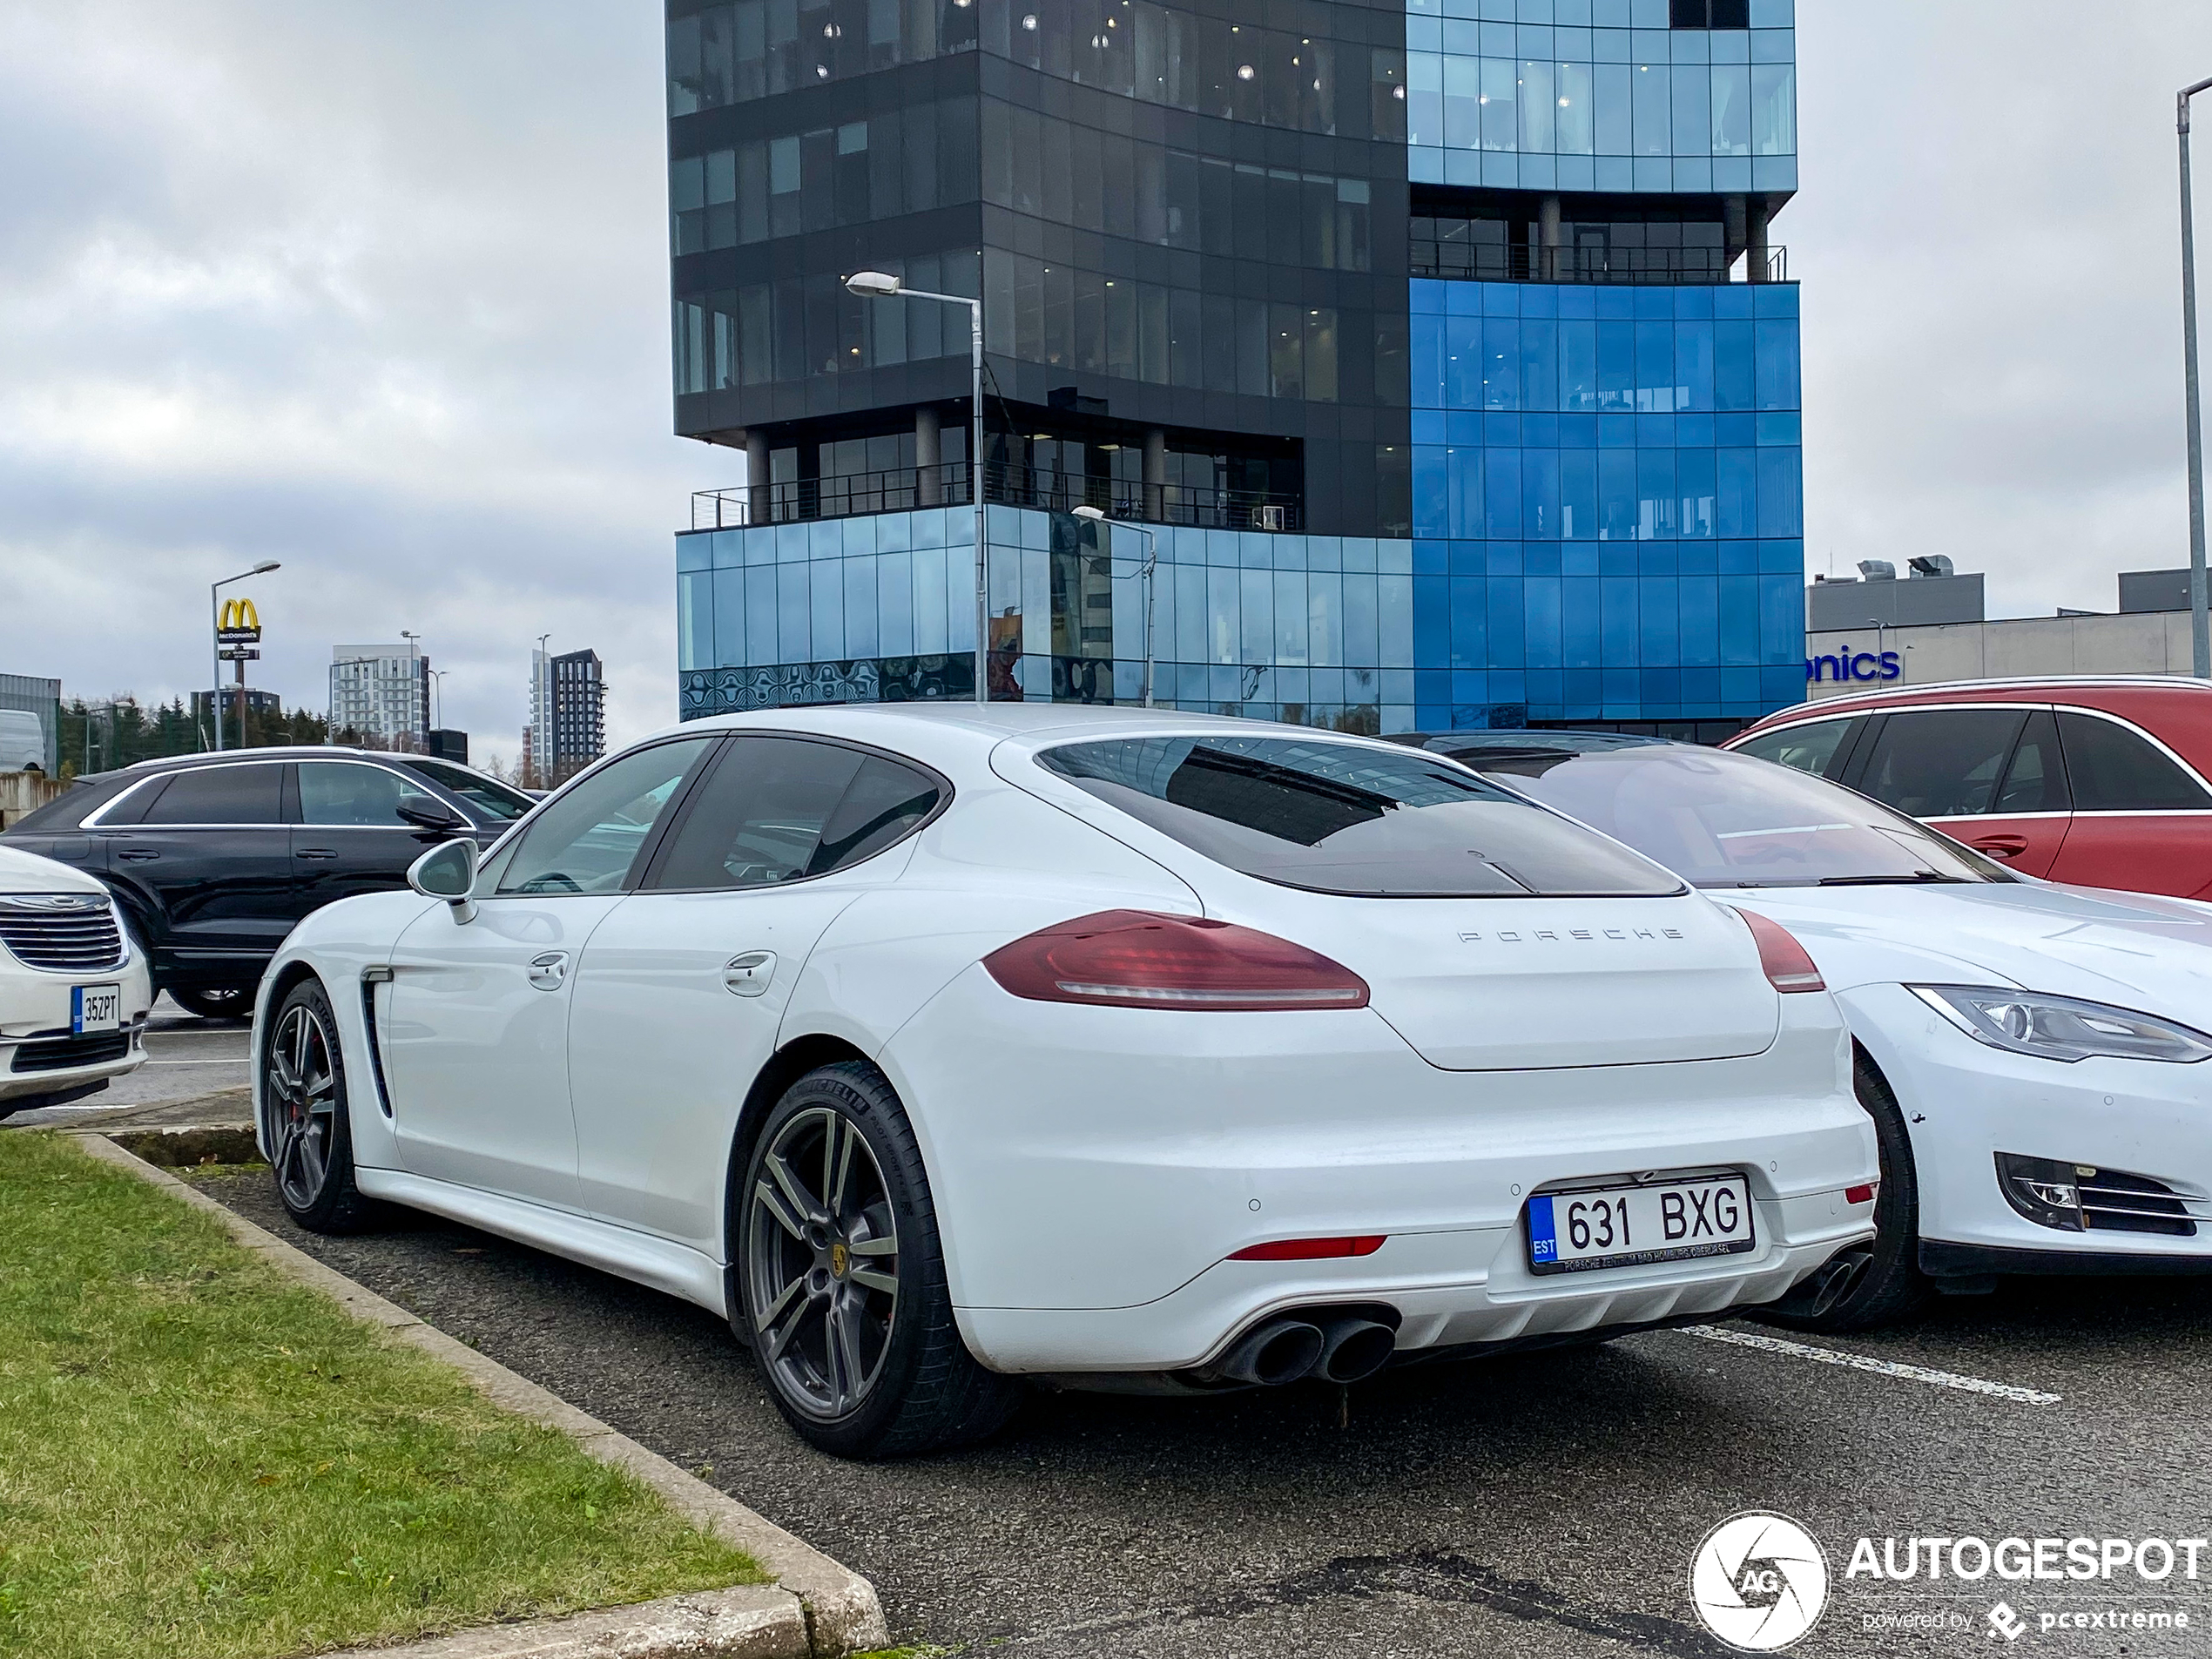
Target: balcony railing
x=903, y=489
x=1512, y=262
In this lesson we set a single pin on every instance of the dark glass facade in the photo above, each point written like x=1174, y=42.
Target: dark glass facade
x=1253, y=276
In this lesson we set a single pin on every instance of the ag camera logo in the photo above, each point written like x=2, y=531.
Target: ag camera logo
x=1759, y=1581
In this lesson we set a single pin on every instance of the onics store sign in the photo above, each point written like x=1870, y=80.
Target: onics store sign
x=1847, y=665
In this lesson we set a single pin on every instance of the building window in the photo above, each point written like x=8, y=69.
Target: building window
x=1709, y=14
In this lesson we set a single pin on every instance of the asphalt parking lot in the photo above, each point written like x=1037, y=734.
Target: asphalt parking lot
x=1542, y=1504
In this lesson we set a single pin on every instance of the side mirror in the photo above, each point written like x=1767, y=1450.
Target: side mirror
x=448, y=872
x=424, y=812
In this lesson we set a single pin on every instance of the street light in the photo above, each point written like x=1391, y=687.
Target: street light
x=215, y=629
x=879, y=284
x=1144, y=573
x=542, y=716
x=2200, y=629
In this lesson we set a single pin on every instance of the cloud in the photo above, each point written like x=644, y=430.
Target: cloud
x=1987, y=235
x=379, y=291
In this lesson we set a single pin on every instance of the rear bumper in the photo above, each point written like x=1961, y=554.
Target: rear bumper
x=1093, y=1169
x=1451, y=1291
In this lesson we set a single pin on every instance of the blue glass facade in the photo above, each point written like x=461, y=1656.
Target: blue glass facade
x=1599, y=95
x=1607, y=506
x=1317, y=629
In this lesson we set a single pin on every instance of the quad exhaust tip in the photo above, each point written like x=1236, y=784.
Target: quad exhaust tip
x=1338, y=1349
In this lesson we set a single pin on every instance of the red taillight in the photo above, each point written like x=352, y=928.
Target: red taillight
x=1788, y=967
x=1859, y=1194
x=1311, y=1249
x=1142, y=959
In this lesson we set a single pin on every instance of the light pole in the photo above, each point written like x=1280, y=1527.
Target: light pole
x=215, y=629
x=1145, y=572
x=2200, y=630
x=437, y=696
x=879, y=285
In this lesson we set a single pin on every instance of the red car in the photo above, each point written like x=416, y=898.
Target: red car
x=2101, y=781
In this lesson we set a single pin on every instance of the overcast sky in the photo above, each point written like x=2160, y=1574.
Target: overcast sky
x=380, y=290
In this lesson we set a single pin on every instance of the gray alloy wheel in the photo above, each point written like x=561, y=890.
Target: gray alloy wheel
x=303, y=1104
x=821, y=1264
x=305, y=1124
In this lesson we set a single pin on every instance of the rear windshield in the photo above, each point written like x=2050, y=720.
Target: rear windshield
x=1727, y=820
x=1343, y=818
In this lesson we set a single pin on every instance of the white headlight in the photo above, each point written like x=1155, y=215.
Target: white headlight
x=2062, y=1028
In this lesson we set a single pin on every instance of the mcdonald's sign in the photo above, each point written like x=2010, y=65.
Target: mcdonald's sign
x=238, y=624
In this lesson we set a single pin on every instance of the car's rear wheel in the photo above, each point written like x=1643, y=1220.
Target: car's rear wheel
x=306, y=1125
x=215, y=1002
x=1890, y=1285
x=841, y=1278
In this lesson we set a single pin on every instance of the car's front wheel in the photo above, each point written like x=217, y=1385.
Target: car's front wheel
x=305, y=1124
x=841, y=1278
x=215, y=1002
x=1889, y=1285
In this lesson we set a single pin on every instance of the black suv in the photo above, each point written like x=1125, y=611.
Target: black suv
x=214, y=857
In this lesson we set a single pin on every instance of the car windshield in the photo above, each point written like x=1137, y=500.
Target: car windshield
x=1345, y=818
x=1728, y=820
x=498, y=802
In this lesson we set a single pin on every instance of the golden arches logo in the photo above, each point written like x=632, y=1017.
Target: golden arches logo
x=238, y=613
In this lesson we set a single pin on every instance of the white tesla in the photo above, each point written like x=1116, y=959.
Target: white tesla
x=2033, y=1055
x=936, y=1047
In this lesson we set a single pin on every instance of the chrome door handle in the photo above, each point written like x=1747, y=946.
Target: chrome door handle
x=748, y=974
x=549, y=969
x=316, y=853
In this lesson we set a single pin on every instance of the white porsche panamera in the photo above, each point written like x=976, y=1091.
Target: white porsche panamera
x=2035, y=1057
x=937, y=1047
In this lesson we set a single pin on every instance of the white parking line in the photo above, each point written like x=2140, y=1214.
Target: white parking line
x=239, y=1060
x=1867, y=1362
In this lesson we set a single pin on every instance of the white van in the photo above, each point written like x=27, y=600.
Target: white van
x=22, y=741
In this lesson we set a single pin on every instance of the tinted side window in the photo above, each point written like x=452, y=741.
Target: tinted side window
x=2114, y=771
x=884, y=801
x=776, y=809
x=1941, y=763
x=588, y=837
x=2035, y=782
x=500, y=803
x=1812, y=747
x=341, y=791
x=221, y=795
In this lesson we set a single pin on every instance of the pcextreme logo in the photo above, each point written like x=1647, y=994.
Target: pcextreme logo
x=1759, y=1581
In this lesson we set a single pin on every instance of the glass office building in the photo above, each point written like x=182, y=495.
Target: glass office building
x=1439, y=347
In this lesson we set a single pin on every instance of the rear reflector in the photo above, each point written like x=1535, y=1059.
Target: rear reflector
x=1860, y=1195
x=1151, y=959
x=1311, y=1250
x=1788, y=967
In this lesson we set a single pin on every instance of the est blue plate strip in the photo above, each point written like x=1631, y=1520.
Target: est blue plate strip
x=1543, y=1237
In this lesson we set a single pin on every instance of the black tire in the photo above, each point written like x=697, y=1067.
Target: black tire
x=306, y=1121
x=862, y=1363
x=1890, y=1287
x=215, y=1002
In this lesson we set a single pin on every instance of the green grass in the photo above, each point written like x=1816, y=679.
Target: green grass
x=199, y=1461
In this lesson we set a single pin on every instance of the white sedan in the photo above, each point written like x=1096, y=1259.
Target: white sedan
x=936, y=1047
x=2033, y=1055
x=73, y=987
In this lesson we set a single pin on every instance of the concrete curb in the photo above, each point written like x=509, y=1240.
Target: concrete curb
x=823, y=1610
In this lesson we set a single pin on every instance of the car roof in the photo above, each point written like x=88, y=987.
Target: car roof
x=950, y=733
x=2091, y=690
x=1501, y=745
x=276, y=751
